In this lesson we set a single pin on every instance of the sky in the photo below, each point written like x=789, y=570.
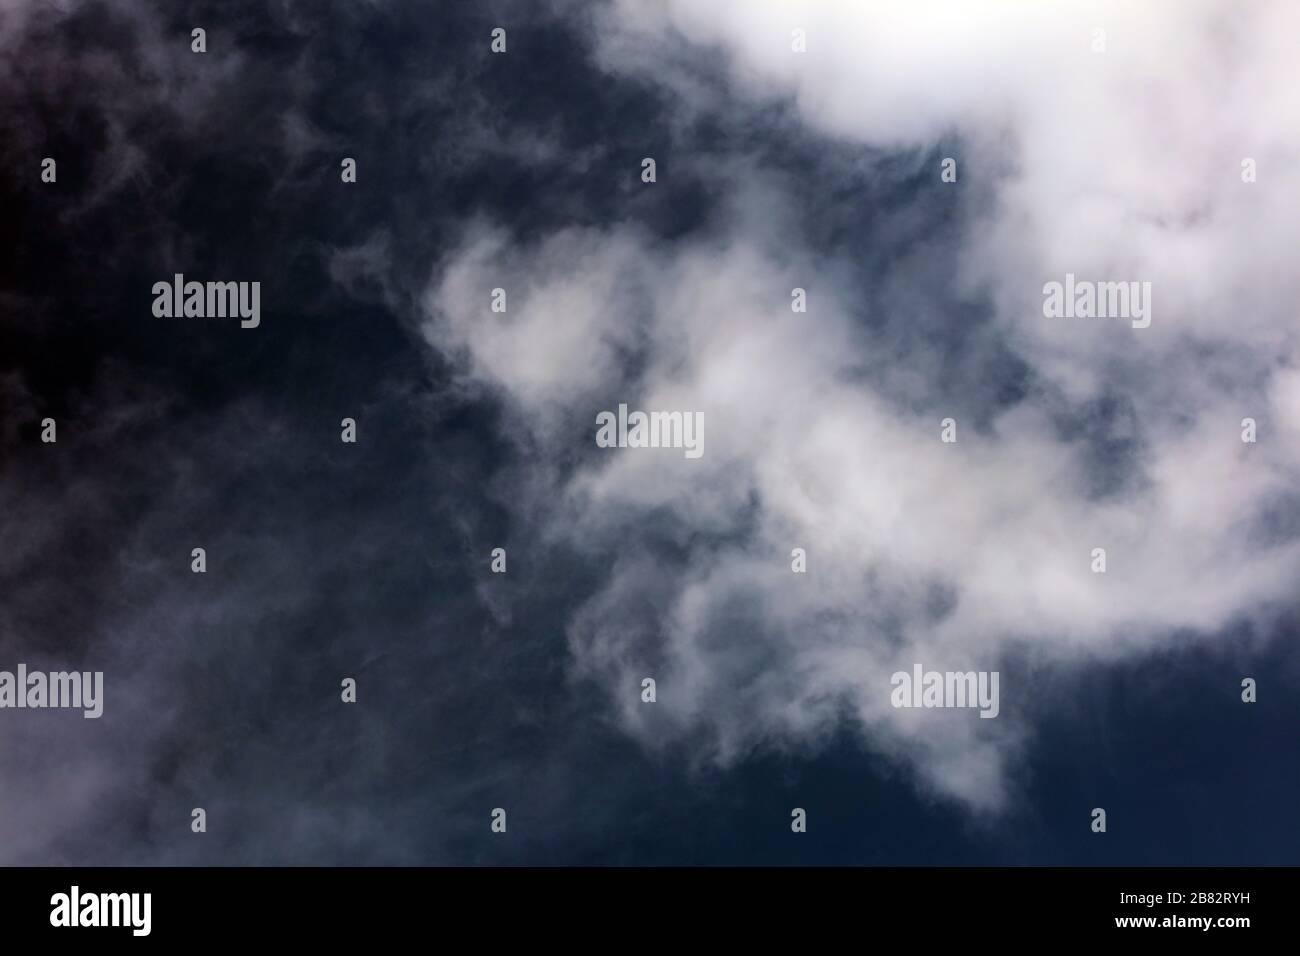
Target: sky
x=921, y=171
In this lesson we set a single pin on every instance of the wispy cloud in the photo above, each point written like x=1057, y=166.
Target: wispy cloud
x=824, y=428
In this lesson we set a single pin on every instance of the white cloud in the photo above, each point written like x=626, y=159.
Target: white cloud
x=1122, y=165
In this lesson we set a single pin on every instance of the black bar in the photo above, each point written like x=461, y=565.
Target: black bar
x=621, y=906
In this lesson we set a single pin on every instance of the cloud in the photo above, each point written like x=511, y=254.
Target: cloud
x=823, y=429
